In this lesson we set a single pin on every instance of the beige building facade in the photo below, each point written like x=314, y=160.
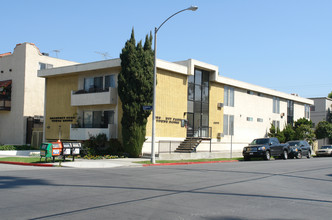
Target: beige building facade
x=22, y=108
x=192, y=101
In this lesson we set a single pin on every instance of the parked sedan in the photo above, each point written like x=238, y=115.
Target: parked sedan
x=299, y=148
x=324, y=151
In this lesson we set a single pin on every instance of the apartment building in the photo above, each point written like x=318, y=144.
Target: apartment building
x=319, y=111
x=22, y=93
x=192, y=100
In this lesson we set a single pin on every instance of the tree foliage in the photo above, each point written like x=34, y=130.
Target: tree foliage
x=323, y=130
x=330, y=95
x=135, y=88
x=301, y=131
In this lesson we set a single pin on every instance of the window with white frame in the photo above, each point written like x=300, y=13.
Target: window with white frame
x=307, y=111
x=276, y=105
x=229, y=96
x=276, y=124
x=98, y=119
x=260, y=120
x=99, y=83
x=43, y=66
x=228, y=125
x=250, y=119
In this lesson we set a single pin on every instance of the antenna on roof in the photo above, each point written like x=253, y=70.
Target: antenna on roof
x=104, y=54
x=56, y=52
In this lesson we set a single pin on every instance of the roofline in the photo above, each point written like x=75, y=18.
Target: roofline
x=104, y=64
x=322, y=98
x=264, y=90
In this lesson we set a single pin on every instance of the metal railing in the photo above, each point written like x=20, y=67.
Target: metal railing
x=202, y=132
x=168, y=146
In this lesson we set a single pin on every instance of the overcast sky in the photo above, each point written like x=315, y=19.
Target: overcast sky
x=279, y=44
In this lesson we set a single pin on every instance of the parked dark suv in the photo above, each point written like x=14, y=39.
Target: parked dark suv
x=299, y=148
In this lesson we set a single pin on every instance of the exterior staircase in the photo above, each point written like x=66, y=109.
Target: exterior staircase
x=189, y=145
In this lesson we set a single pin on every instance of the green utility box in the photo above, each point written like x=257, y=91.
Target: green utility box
x=46, y=150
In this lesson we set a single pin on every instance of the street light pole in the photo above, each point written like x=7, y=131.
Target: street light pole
x=153, y=159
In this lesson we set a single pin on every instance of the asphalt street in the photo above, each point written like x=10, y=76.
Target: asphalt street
x=277, y=189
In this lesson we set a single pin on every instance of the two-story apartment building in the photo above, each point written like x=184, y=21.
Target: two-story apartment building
x=249, y=111
x=191, y=101
x=22, y=93
x=322, y=106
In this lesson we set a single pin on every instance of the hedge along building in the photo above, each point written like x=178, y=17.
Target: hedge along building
x=82, y=100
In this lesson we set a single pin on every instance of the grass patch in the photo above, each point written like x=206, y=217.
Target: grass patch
x=30, y=159
x=191, y=160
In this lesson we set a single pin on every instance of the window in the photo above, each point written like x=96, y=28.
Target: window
x=228, y=125
x=276, y=105
x=259, y=120
x=276, y=124
x=229, y=96
x=109, y=81
x=43, y=66
x=97, y=119
x=290, y=112
x=259, y=94
x=307, y=111
x=98, y=84
x=250, y=92
x=312, y=108
x=250, y=119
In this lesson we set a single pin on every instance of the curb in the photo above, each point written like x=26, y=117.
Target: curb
x=27, y=164
x=188, y=163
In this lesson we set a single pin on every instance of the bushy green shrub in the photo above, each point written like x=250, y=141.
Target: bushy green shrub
x=16, y=147
x=99, y=145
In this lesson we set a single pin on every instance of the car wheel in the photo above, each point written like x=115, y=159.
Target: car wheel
x=309, y=155
x=299, y=155
x=267, y=155
x=285, y=155
x=246, y=158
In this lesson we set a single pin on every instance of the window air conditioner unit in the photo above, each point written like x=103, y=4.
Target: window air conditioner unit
x=220, y=135
x=220, y=105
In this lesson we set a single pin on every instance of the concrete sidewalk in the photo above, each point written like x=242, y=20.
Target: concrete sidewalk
x=109, y=163
x=106, y=163
x=84, y=163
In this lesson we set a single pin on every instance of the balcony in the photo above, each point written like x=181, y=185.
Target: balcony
x=5, y=105
x=85, y=133
x=94, y=97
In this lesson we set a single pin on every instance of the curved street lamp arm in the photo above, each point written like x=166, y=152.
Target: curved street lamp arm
x=192, y=8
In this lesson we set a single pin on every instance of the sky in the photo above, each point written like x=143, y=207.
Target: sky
x=284, y=45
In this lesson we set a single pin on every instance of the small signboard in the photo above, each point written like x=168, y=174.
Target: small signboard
x=147, y=107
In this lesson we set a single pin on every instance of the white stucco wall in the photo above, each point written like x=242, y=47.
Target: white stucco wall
x=255, y=106
x=27, y=97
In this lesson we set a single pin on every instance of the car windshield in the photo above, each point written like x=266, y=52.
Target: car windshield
x=326, y=147
x=260, y=141
x=294, y=143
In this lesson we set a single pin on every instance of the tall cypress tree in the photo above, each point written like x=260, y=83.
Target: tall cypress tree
x=135, y=86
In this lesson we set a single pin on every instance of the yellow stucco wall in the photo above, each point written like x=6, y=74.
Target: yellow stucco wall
x=59, y=111
x=216, y=114
x=171, y=103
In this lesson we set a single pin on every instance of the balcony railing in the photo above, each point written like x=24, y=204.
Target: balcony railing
x=5, y=104
x=77, y=133
x=94, y=97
